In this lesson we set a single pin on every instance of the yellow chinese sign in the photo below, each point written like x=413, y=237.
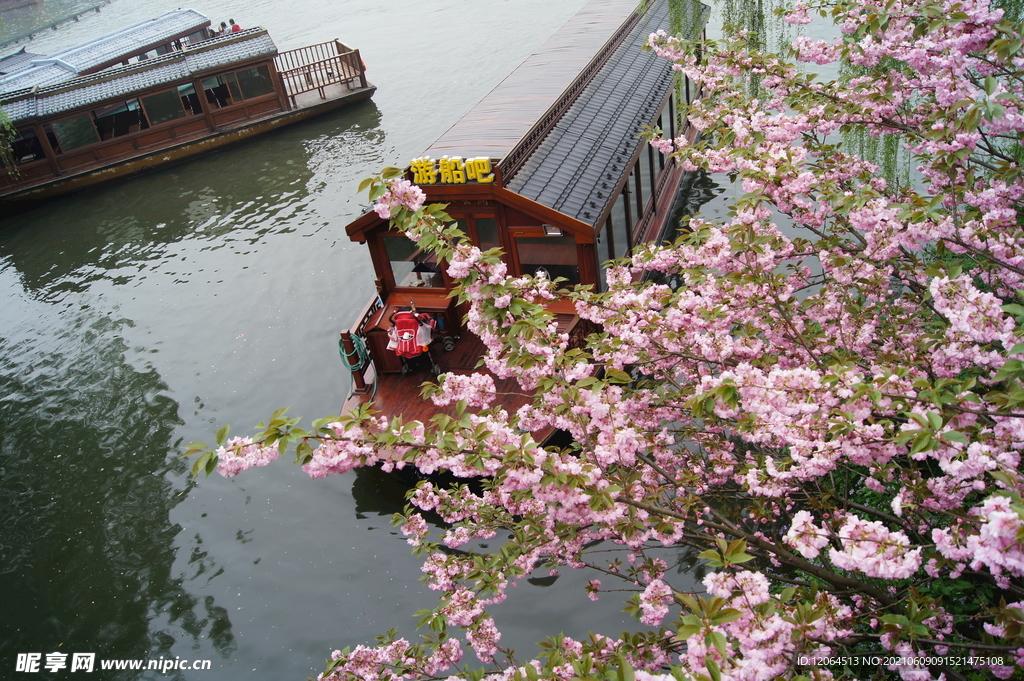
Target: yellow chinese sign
x=451, y=170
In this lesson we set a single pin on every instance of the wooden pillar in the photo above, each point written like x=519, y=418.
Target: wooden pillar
x=282, y=94
x=351, y=357
x=362, y=71
x=44, y=140
x=197, y=83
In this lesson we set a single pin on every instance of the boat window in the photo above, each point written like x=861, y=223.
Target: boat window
x=120, y=119
x=487, y=233
x=618, y=226
x=50, y=135
x=647, y=173
x=411, y=265
x=554, y=256
x=639, y=198
x=255, y=82
x=661, y=126
x=25, y=147
x=172, y=104
x=222, y=90
x=163, y=107
x=189, y=99
x=603, y=252
x=75, y=132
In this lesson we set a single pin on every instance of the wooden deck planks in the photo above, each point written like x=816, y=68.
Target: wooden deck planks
x=398, y=395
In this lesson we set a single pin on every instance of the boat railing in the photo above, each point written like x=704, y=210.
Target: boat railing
x=357, y=359
x=317, y=66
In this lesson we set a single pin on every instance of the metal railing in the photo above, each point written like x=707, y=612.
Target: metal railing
x=318, y=66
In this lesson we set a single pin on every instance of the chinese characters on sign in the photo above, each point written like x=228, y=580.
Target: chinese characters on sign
x=34, y=663
x=451, y=170
x=30, y=662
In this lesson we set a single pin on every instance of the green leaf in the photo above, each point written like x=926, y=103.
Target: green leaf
x=625, y=672
x=716, y=673
x=617, y=376
x=200, y=464
x=727, y=615
x=954, y=436
x=222, y=434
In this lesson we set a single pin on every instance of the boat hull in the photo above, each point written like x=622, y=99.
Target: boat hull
x=72, y=182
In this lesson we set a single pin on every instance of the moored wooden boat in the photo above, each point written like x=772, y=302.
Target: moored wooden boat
x=550, y=166
x=157, y=93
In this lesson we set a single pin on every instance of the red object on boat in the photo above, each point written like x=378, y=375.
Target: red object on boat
x=408, y=333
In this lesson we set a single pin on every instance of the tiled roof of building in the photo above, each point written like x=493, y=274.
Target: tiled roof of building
x=575, y=168
x=125, y=80
x=496, y=124
x=17, y=60
x=109, y=49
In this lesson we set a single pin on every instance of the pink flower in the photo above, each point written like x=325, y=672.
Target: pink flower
x=654, y=602
x=240, y=454
x=400, y=194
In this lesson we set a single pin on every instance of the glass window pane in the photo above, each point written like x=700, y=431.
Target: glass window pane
x=217, y=92
x=617, y=233
x=602, y=250
x=487, y=233
x=190, y=100
x=647, y=173
x=255, y=82
x=163, y=107
x=25, y=147
x=232, y=82
x=120, y=119
x=75, y=132
x=554, y=256
x=411, y=265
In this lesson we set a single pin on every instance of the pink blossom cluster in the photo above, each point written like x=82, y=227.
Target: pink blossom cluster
x=345, y=452
x=804, y=536
x=240, y=454
x=995, y=546
x=401, y=193
x=868, y=546
x=763, y=641
x=829, y=376
x=654, y=602
x=476, y=389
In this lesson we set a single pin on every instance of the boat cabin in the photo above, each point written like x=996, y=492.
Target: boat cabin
x=156, y=92
x=550, y=167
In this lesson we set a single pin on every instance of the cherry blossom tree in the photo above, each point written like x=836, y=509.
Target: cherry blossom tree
x=827, y=408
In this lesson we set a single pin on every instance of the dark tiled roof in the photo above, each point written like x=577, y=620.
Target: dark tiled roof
x=496, y=124
x=110, y=48
x=575, y=168
x=125, y=80
x=17, y=60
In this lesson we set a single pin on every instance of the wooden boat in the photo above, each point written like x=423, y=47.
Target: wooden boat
x=156, y=93
x=550, y=167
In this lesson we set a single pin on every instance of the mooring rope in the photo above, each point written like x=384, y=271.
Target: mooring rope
x=362, y=359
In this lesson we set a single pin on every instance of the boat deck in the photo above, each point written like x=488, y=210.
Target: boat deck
x=398, y=395
x=311, y=98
